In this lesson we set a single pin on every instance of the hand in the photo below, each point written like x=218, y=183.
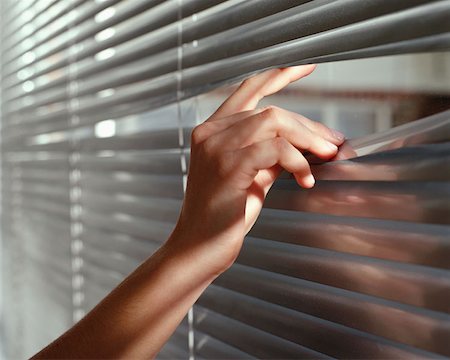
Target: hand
x=236, y=155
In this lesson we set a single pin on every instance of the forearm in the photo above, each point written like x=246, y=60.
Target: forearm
x=138, y=317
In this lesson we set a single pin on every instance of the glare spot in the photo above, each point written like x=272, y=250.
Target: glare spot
x=105, y=34
x=28, y=86
x=106, y=93
x=24, y=73
x=77, y=246
x=105, y=14
x=49, y=138
x=105, y=54
x=106, y=128
x=28, y=57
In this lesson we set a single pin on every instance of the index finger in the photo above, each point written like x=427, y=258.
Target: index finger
x=252, y=90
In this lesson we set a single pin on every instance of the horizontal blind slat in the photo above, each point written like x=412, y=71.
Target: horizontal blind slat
x=366, y=313
x=352, y=272
x=303, y=329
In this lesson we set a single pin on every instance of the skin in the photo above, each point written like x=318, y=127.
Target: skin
x=236, y=155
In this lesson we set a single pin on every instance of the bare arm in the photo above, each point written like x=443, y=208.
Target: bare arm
x=236, y=156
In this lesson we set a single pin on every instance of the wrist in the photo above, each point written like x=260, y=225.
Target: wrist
x=199, y=254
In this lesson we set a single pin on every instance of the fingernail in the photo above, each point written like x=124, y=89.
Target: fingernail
x=337, y=135
x=309, y=181
x=332, y=146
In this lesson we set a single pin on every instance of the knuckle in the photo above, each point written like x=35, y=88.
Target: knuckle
x=246, y=83
x=270, y=111
x=271, y=116
x=198, y=134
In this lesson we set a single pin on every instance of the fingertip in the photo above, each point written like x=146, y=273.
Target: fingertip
x=340, y=137
x=332, y=147
x=309, y=181
x=301, y=71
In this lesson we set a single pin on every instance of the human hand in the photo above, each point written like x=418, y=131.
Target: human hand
x=236, y=155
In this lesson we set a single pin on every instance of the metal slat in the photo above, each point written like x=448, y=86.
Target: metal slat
x=163, y=14
x=366, y=313
x=409, y=284
x=365, y=34
x=111, y=260
x=208, y=347
x=170, y=186
x=50, y=39
x=125, y=224
x=430, y=130
x=157, y=208
x=422, y=202
x=50, y=207
x=162, y=91
x=157, y=139
x=309, y=19
x=178, y=345
x=41, y=16
x=422, y=244
x=418, y=163
x=132, y=162
x=205, y=23
x=195, y=56
x=314, y=333
x=257, y=343
x=129, y=246
x=13, y=9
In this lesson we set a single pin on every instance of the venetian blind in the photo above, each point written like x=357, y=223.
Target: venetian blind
x=94, y=155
